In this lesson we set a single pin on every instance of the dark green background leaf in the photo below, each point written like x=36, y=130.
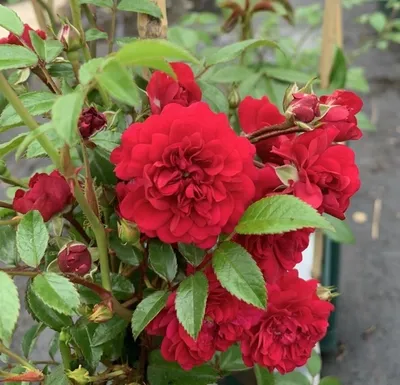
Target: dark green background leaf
x=163, y=259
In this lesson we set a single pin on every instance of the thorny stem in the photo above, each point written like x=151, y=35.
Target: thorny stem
x=267, y=129
x=203, y=71
x=27, y=118
x=49, y=79
x=21, y=273
x=16, y=357
x=70, y=218
x=291, y=130
x=6, y=205
x=77, y=21
x=113, y=26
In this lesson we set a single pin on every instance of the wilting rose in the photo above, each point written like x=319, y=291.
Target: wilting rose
x=90, y=122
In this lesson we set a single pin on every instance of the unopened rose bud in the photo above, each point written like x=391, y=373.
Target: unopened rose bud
x=326, y=293
x=304, y=107
x=90, y=122
x=75, y=258
x=128, y=232
x=234, y=99
x=79, y=376
x=101, y=313
x=69, y=37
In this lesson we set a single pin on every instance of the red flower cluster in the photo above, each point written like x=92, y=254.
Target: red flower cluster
x=48, y=194
x=281, y=337
x=24, y=38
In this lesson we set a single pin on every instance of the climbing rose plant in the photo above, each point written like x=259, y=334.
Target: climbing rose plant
x=161, y=239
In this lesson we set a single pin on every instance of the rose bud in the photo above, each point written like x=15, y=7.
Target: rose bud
x=90, y=122
x=70, y=38
x=128, y=232
x=48, y=194
x=304, y=107
x=234, y=99
x=75, y=258
x=326, y=293
x=101, y=313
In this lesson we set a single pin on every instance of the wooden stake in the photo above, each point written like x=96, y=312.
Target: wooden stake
x=150, y=27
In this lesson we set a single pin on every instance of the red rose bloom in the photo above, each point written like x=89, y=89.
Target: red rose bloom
x=275, y=254
x=48, y=194
x=163, y=90
x=255, y=114
x=189, y=176
x=327, y=174
x=304, y=107
x=344, y=105
x=296, y=319
x=25, y=37
x=74, y=258
x=90, y=122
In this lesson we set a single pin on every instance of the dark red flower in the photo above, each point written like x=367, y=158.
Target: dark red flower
x=189, y=176
x=278, y=253
x=327, y=174
x=304, y=107
x=48, y=194
x=296, y=319
x=90, y=122
x=255, y=114
x=74, y=258
x=25, y=37
x=163, y=90
x=343, y=106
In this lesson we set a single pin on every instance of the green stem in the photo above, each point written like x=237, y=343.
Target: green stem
x=70, y=218
x=47, y=8
x=13, y=181
x=77, y=21
x=27, y=118
x=92, y=22
x=16, y=357
x=13, y=221
x=65, y=352
x=113, y=26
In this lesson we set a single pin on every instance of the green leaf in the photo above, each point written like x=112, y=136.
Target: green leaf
x=192, y=254
x=52, y=49
x=54, y=345
x=126, y=253
x=32, y=136
x=9, y=306
x=57, y=377
x=263, y=376
x=364, y=122
x=356, y=79
x=7, y=147
x=163, y=260
x=314, y=364
x=147, y=310
x=229, y=74
x=153, y=53
x=338, y=75
x=99, y=3
x=109, y=331
x=101, y=167
x=293, y=378
x=107, y=140
x=38, y=44
x=141, y=6
x=279, y=214
x=185, y=37
x=161, y=372
x=191, y=301
x=342, y=232
x=117, y=81
x=232, y=51
x=56, y=292
x=122, y=288
x=8, y=246
x=10, y=21
x=286, y=74
x=43, y=313
x=95, y=34
x=231, y=360
x=32, y=238
x=36, y=103
x=66, y=111
x=378, y=21
x=214, y=97
x=330, y=380
x=35, y=149
x=15, y=56
x=121, y=41
x=88, y=70
x=82, y=334
x=30, y=337
x=238, y=273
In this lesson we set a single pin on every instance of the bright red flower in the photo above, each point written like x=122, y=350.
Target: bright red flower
x=74, y=258
x=25, y=37
x=91, y=121
x=344, y=105
x=275, y=254
x=327, y=174
x=48, y=194
x=255, y=114
x=296, y=319
x=189, y=176
x=304, y=107
x=163, y=90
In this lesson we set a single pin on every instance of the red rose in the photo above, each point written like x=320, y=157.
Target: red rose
x=48, y=194
x=278, y=253
x=344, y=105
x=304, y=107
x=189, y=175
x=255, y=114
x=74, y=258
x=296, y=319
x=25, y=37
x=163, y=90
x=327, y=174
x=90, y=122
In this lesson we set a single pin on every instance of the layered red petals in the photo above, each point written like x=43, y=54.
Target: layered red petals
x=296, y=319
x=163, y=89
x=189, y=177
x=25, y=37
